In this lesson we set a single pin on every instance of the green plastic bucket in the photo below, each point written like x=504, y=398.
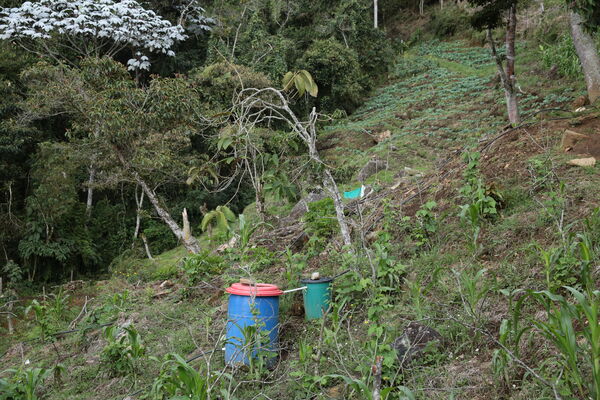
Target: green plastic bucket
x=317, y=297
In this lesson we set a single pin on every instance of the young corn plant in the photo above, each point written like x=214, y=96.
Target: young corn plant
x=573, y=329
x=42, y=319
x=23, y=383
x=482, y=202
x=178, y=380
x=246, y=230
x=572, y=326
x=58, y=304
x=122, y=350
x=474, y=289
x=511, y=333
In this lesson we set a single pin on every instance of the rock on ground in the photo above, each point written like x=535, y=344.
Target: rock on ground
x=413, y=340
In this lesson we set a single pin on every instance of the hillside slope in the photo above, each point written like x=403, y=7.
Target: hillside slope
x=421, y=258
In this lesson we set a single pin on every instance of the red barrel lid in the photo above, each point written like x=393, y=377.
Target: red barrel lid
x=260, y=290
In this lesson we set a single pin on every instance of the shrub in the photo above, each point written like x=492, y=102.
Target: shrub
x=42, y=317
x=375, y=54
x=337, y=72
x=374, y=50
x=320, y=218
x=202, y=265
x=447, y=22
x=563, y=55
x=159, y=235
x=122, y=350
x=218, y=82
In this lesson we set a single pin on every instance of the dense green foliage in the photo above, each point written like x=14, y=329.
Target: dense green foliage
x=91, y=127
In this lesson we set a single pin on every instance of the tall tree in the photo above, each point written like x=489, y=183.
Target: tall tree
x=89, y=28
x=142, y=135
x=491, y=14
x=584, y=20
x=65, y=30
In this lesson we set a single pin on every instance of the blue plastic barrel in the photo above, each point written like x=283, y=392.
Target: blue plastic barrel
x=251, y=305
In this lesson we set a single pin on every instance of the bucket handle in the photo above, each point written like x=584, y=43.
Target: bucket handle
x=340, y=274
x=294, y=290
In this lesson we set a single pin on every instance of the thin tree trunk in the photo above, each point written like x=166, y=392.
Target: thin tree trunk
x=146, y=247
x=310, y=139
x=9, y=318
x=90, y=190
x=190, y=242
x=512, y=107
x=256, y=173
x=260, y=205
x=376, y=372
x=508, y=81
x=330, y=184
x=138, y=218
x=187, y=231
x=421, y=6
x=588, y=55
x=511, y=95
x=375, y=14
x=91, y=179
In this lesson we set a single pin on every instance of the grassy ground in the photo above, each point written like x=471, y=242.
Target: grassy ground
x=428, y=268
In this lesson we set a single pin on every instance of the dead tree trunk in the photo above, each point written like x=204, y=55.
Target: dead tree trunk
x=588, y=55
x=328, y=181
x=275, y=106
x=256, y=169
x=9, y=322
x=260, y=205
x=190, y=242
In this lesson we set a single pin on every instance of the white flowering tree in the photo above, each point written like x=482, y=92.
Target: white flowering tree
x=64, y=29
x=93, y=28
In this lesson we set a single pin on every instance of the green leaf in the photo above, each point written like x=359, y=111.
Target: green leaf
x=207, y=219
x=228, y=213
x=309, y=83
x=299, y=84
x=287, y=80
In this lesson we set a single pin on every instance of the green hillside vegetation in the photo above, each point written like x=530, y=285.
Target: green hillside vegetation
x=473, y=257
